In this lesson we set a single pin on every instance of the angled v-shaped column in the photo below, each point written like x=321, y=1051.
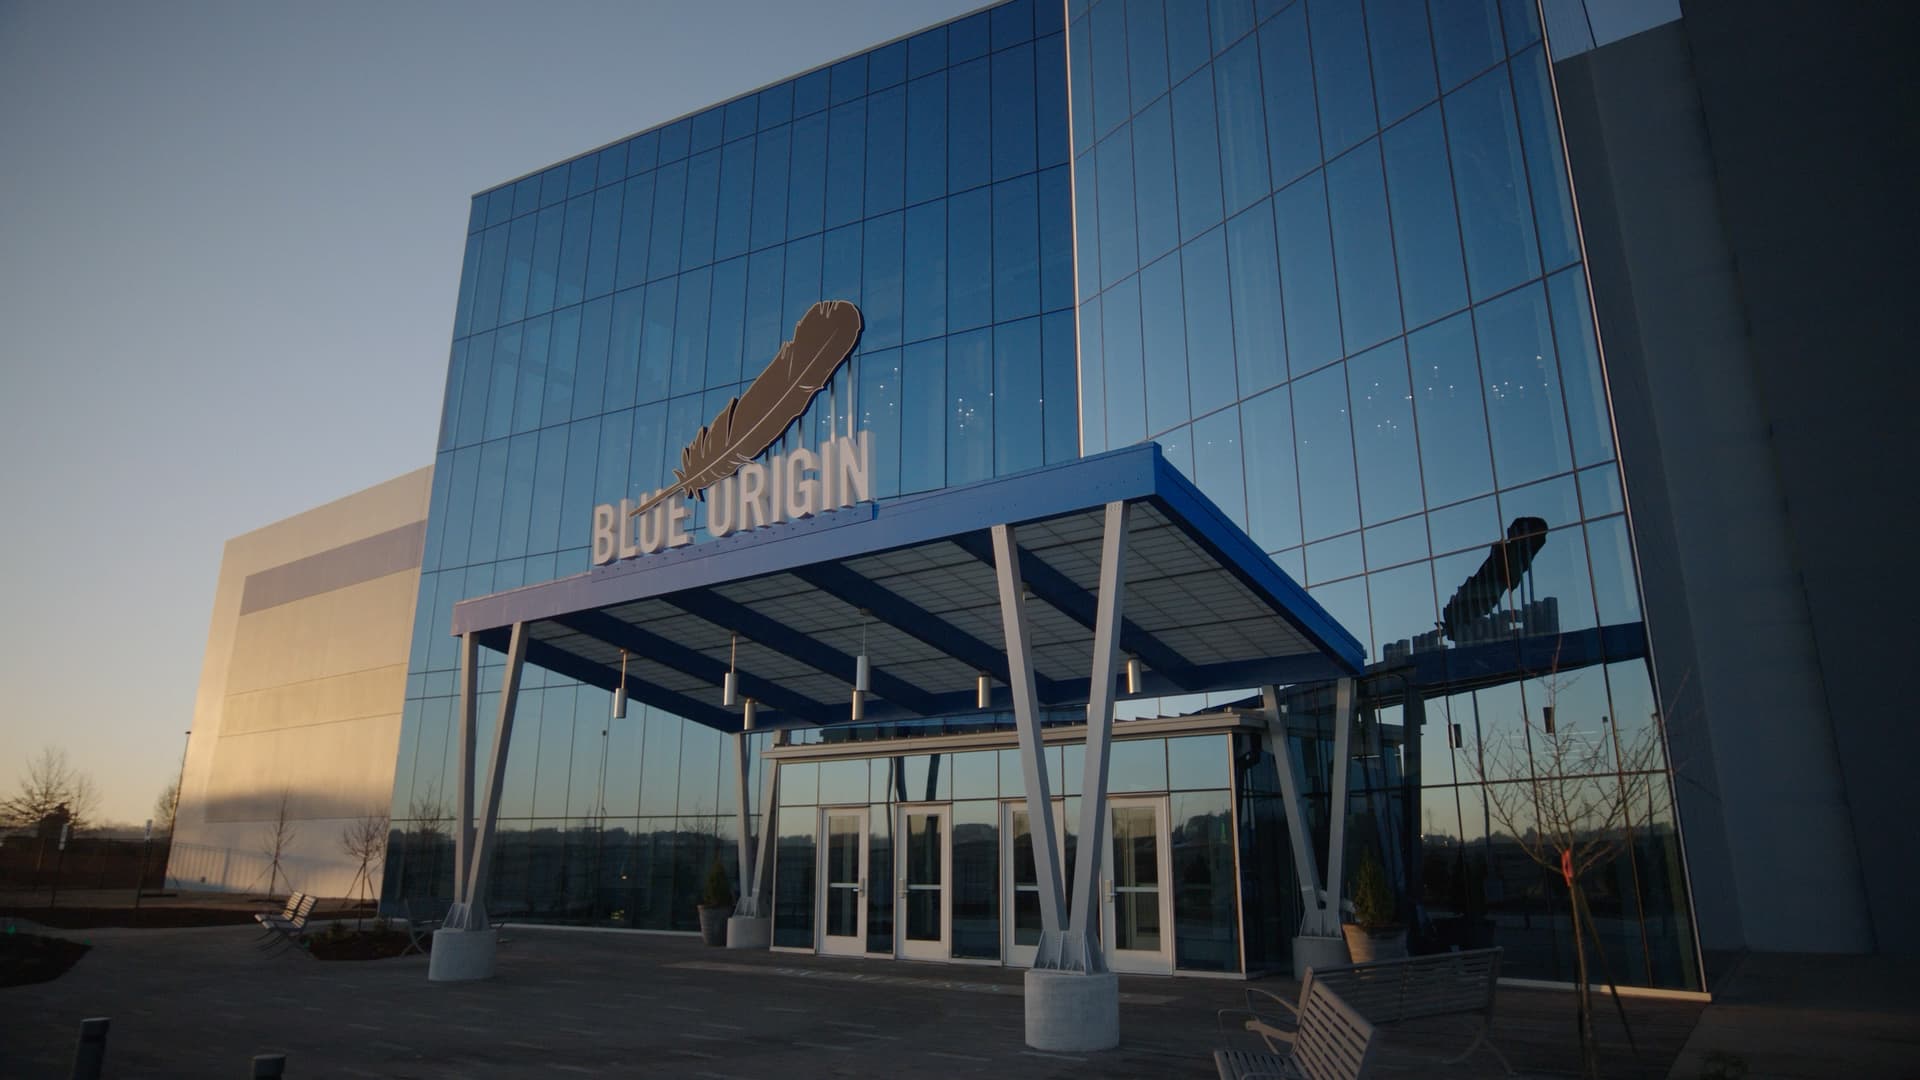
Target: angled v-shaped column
x=1072, y=1001
x=1026, y=718
x=463, y=948
x=751, y=926
x=1319, y=943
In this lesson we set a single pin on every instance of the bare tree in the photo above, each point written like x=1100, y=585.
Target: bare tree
x=50, y=783
x=365, y=839
x=166, y=806
x=1569, y=793
x=431, y=826
x=275, y=838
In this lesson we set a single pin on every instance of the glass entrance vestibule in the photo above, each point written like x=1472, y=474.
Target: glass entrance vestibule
x=921, y=848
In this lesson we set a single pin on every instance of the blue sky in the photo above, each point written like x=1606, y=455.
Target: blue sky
x=230, y=236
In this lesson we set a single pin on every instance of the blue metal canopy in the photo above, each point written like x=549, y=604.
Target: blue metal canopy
x=910, y=581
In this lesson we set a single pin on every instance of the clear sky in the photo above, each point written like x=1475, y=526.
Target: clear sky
x=230, y=236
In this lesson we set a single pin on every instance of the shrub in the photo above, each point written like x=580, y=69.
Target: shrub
x=1373, y=900
x=718, y=893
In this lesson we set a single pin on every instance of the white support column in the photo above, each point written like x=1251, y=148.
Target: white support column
x=1069, y=1007
x=742, y=817
x=753, y=899
x=481, y=852
x=1026, y=715
x=747, y=928
x=463, y=820
x=463, y=947
x=1306, y=869
x=1337, y=808
x=1083, y=951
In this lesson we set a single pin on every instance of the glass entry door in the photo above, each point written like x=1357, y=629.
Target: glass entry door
x=1137, y=905
x=1020, y=894
x=924, y=851
x=843, y=880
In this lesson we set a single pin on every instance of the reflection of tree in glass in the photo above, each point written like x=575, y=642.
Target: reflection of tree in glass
x=365, y=841
x=1571, y=807
x=430, y=837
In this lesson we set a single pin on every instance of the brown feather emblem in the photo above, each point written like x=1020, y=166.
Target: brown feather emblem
x=750, y=423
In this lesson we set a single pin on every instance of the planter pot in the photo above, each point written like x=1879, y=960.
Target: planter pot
x=1380, y=943
x=713, y=923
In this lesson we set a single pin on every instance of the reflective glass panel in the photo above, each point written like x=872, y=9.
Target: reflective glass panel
x=1135, y=873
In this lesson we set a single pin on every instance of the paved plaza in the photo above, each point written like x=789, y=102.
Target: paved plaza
x=201, y=1002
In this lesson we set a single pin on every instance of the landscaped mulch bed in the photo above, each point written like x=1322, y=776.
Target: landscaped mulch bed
x=357, y=945
x=30, y=958
x=66, y=918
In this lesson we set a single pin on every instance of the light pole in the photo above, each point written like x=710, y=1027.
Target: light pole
x=66, y=830
x=140, y=879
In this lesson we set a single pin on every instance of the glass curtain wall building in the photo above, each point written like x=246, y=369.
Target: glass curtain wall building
x=1324, y=253
x=611, y=305
x=1328, y=259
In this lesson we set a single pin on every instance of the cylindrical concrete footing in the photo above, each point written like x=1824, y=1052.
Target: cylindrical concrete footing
x=461, y=955
x=1317, y=952
x=1073, y=1011
x=748, y=932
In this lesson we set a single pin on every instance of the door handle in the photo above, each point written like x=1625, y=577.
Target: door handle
x=863, y=887
x=1109, y=885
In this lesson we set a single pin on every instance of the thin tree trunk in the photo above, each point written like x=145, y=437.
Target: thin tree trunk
x=1589, y=1053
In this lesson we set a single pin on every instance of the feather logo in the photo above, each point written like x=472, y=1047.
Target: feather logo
x=821, y=342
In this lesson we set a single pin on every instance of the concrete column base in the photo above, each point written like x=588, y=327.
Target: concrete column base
x=461, y=955
x=748, y=932
x=1072, y=1011
x=1310, y=950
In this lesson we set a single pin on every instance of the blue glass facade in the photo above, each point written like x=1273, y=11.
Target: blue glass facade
x=1327, y=257
x=1324, y=252
x=611, y=305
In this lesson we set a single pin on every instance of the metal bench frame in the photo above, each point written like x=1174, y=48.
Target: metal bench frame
x=1392, y=991
x=421, y=924
x=1333, y=1042
x=285, y=931
x=267, y=919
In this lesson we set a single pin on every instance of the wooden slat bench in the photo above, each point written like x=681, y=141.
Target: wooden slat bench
x=267, y=919
x=285, y=931
x=1395, y=991
x=1332, y=1042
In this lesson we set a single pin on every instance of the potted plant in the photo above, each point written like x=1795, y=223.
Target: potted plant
x=1374, y=934
x=716, y=904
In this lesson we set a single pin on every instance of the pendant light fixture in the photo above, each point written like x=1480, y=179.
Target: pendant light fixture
x=861, y=673
x=747, y=715
x=983, y=690
x=1135, y=674
x=730, y=686
x=620, y=691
